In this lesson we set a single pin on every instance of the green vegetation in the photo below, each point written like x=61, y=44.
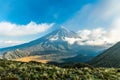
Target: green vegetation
x=11, y=70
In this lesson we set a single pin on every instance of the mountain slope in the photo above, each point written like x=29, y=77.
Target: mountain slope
x=57, y=45
x=109, y=58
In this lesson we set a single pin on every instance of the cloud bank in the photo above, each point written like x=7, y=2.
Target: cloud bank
x=10, y=29
x=95, y=37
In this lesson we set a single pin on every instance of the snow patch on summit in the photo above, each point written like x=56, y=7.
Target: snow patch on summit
x=54, y=38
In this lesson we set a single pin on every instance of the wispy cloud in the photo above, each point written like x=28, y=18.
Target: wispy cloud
x=106, y=10
x=99, y=14
x=10, y=29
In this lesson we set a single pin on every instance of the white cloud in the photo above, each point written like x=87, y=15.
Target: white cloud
x=101, y=36
x=10, y=29
x=114, y=32
x=9, y=43
x=93, y=37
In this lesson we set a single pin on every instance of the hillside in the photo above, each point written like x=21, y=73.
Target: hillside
x=11, y=70
x=109, y=58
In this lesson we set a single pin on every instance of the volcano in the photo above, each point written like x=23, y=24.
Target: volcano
x=59, y=45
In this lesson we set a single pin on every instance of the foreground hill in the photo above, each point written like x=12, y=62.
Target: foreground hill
x=109, y=58
x=61, y=43
x=10, y=70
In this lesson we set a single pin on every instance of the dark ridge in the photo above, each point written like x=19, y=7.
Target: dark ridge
x=109, y=58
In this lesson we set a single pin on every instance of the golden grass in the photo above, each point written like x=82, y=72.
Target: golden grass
x=32, y=58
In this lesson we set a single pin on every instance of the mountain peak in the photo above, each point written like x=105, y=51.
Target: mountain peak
x=62, y=28
x=62, y=34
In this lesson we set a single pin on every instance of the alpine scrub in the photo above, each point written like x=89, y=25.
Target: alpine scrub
x=12, y=70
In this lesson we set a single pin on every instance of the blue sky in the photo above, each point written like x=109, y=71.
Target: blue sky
x=25, y=20
x=40, y=11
